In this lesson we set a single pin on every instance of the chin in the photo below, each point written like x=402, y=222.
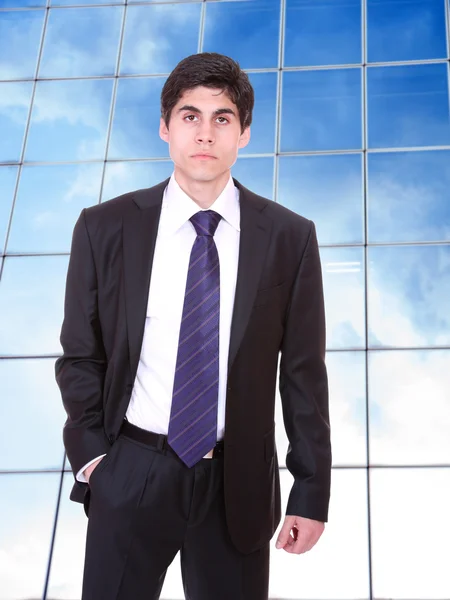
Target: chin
x=202, y=173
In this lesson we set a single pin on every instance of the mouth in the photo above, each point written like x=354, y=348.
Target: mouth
x=204, y=156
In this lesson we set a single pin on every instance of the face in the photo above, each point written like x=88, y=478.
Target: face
x=204, y=134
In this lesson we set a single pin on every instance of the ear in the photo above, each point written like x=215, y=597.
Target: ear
x=245, y=138
x=163, y=130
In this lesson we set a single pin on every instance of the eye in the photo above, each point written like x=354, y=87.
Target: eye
x=190, y=117
x=223, y=119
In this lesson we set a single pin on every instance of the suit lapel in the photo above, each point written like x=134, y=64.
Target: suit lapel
x=254, y=241
x=140, y=227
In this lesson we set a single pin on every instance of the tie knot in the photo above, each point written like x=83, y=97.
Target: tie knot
x=206, y=222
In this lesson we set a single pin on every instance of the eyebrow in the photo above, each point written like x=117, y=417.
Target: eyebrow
x=219, y=111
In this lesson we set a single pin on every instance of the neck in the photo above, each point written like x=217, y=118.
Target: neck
x=203, y=193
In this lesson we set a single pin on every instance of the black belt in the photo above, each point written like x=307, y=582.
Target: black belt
x=158, y=440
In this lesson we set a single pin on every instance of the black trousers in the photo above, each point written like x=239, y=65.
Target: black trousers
x=145, y=506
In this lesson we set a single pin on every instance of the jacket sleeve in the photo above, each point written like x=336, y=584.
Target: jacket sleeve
x=304, y=390
x=81, y=369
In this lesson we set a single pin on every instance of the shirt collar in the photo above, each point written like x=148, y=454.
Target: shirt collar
x=180, y=207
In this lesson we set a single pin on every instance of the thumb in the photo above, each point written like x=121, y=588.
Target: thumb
x=284, y=534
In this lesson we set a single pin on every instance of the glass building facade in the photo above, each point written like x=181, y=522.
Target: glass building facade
x=352, y=130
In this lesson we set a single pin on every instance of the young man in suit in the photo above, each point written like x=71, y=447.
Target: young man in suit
x=179, y=300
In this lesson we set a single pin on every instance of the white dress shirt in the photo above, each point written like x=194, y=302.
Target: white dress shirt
x=151, y=398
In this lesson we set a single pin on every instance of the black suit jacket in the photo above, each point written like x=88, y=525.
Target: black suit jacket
x=278, y=308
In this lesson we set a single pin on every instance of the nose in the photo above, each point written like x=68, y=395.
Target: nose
x=205, y=133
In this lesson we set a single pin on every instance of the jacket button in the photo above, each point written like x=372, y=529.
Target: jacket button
x=111, y=438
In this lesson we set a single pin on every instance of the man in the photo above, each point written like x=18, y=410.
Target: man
x=179, y=300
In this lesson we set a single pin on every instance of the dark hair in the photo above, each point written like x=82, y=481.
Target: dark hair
x=211, y=70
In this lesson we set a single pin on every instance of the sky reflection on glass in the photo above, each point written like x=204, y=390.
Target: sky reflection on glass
x=67, y=565
x=343, y=280
x=86, y=2
x=411, y=189
x=408, y=106
x=262, y=129
x=22, y=3
x=157, y=37
x=246, y=31
x=20, y=37
x=72, y=117
x=14, y=108
x=8, y=176
x=136, y=120
x=81, y=42
x=410, y=561
x=255, y=174
x=327, y=190
x=123, y=177
x=49, y=201
x=32, y=304
x=325, y=32
x=29, y=388
x=412, y=30
x=404, y=427
x=408, y=291
x=321, y=110
x=29, y=502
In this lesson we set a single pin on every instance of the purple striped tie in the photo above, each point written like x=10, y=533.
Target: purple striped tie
x=193, y=416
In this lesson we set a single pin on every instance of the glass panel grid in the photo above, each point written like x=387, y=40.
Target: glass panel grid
x=125, y=174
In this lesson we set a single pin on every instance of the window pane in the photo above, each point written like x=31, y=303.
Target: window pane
x=401, y=431
x=77, y=2
x=8, y=177
x=35, y=442
x=159, y=1
x=157, y=37
x=66, y=572
x=69, y=120
x=14, y=108
x=32, y=304
x=49, y=201
x=81, y=42
x=324, y=32
x=123, y=177
x=136, y=120
x=408, y=106
x=321, y=110
x=21, y=3
x=410, y=529
x=28, y=505
x=406, y=30
x=262, y=138
x=408, y=293
x=411, y=189
x=343, y=547
x=246, y=31
x=347, y=387
x=328, y=190
x=255, y=174
x=343, y=279
x=20, y=36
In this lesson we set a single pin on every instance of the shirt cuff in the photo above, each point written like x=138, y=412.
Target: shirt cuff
x=80, y=475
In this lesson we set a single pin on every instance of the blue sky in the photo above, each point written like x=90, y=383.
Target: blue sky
x=395, y=198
